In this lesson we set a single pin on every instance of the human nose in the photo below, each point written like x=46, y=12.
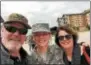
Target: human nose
x=16, y=33
x=64, y=38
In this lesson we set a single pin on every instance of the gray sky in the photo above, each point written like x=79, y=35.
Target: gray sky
x=43, y=11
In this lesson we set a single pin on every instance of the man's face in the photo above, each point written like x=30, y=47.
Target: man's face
x=41, y=38
x=12, y=39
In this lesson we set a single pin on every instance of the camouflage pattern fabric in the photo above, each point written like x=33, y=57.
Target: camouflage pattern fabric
x=15, y=17
x=54, y=55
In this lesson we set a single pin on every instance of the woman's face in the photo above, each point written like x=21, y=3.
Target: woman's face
x=42, y=38
x=65, y=39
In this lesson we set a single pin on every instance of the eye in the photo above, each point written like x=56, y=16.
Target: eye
x=10, y=28
x=23, y=31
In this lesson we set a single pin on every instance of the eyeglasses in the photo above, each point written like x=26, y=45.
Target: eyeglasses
x=61, y=38
x=14, y=29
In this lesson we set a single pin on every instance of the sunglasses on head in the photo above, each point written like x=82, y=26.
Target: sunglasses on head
x=13, y=29
x=61, y=38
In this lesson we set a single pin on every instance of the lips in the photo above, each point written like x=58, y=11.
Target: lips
x=65, y=42
x=41, y=41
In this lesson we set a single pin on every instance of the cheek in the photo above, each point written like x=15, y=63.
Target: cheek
x=5, y=35
x=23, y=38
x=61, y=45
x=47, y=37
x=70, y=40
x=35, y=38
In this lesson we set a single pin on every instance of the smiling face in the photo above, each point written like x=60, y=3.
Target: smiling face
x=41, y=38
x=65, y=39
x=12, y=40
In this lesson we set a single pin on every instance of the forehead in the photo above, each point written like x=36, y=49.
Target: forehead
x=40, y=33
x=62, y=32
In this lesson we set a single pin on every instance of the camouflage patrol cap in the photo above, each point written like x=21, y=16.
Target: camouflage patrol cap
x=40, y=27
x=15, y=17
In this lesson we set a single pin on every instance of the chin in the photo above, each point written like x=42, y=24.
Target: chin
x=43, y=44
x=14, y=46
x=14, y=49
x=67, y=47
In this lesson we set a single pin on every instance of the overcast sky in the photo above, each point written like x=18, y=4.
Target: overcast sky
x=43, y=11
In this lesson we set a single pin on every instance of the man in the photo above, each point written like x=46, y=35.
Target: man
x=13, y=35
x=42, y=52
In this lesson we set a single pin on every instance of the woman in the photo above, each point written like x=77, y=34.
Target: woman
x=66, y=38
x=42, y=52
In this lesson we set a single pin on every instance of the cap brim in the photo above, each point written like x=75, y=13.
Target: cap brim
x=41, y=31
x=28, y=26
x=25, y=25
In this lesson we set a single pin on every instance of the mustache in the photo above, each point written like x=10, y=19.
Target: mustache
x=15, y=39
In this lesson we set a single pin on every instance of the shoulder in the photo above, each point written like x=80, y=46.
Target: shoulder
x=57, y=51
x=57, y=55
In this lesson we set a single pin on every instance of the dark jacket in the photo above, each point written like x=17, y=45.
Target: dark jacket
x=77, y=58
x=83, y=58
x=6, y=59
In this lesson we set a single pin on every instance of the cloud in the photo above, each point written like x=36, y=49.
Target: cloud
x=43, y=11
x=54, y=6
x=21, y=6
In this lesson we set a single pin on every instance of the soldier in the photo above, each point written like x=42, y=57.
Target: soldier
x=13, y=34
x=42, y=52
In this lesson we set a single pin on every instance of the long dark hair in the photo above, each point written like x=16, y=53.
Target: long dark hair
x=68, y=29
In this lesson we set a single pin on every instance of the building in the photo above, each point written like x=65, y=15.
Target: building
x=87, y=15
x=78, y=20
x=61, y=21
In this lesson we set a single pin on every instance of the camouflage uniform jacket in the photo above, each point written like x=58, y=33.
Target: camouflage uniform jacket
x=54, y=55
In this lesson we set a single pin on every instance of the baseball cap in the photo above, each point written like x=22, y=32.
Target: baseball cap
x=40, y=27
x=15, y=17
